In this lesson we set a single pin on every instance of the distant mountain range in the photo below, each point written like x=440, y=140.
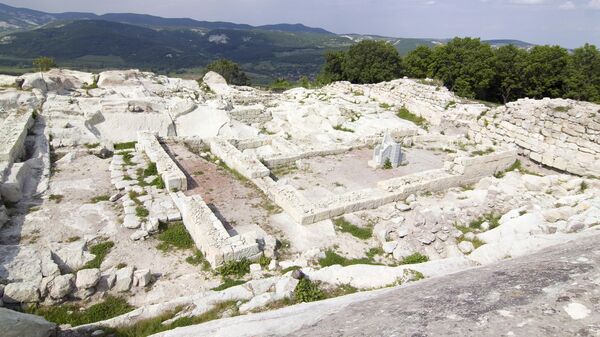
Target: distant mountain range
x=92, y=42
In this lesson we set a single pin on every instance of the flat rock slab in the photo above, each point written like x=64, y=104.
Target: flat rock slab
x=551, y=293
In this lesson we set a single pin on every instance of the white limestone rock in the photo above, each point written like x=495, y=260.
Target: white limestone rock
x=61, y=286
x=142, y=278
x=124, y=279
x=466, y=247
x=87, y=278
x=71, y=256
x=257, y=302
x=22, y=292
x=17, y=324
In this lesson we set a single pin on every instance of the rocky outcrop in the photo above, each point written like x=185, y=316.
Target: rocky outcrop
x=16, y=324
x=558, y=133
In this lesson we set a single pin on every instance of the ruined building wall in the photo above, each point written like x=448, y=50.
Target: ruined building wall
x=563, y=134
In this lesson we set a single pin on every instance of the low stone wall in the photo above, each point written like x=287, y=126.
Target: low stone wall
x=13, y=133
x=247, y=165
x=461, y=171
x=171, y=174
x=251, y=114
x=563, y=134
x=209, y=234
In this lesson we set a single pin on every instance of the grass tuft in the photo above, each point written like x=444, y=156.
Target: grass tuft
x=100, y=250
x=404, y=113
x=75, y=316
x=414, y=259
x=175, y=237
x=359, y=232
x=235, y=268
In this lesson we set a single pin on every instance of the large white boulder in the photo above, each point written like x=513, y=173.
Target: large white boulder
x=71, y=256
x=22, y=292
x=124, y=279
x=216, y=83
x=61, y=286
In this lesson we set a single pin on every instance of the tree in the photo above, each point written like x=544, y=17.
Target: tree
x=371, y=62
x=44, y=63
x=417, y=62
x=545, y=71
x=230, y=70
x=583, y=80
x=509, y=62
x=332, y=69
x=465, y=65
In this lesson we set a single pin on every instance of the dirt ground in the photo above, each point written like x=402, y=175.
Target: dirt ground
x=329, y=175
x=238, y=204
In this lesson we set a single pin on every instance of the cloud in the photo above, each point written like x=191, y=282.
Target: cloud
x=529, y=2
x=595, y=4
x=567, y=5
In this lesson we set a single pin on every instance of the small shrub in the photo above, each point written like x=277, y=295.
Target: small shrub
x=385, y=106
x=414, y=259
x=91, y=145
x=359, y=232
x=372, y=252
x=388, y=164
x=127, y=156
x=175, y=236
x=264, y=261
x=121, y=265
x=235, y=268
x=307, y=291
x=450, y=104
x=73, y=239
x=584, y=186
x=483, y=152
x=150, y=170
x=100, y=250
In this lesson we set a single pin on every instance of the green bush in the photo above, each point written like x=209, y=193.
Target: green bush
x=175, y=236
x=141, y=212
x=125, y=146
x=307, y=291
x=73, y=315
x=100, y=251
x=230, y=70
x=264, y=261
x=388, y=164
x=235, y=268
x=414, y=258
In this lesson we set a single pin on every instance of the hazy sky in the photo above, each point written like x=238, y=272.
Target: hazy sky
x=570, y=23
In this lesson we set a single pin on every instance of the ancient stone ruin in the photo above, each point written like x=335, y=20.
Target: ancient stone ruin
x=185, y=198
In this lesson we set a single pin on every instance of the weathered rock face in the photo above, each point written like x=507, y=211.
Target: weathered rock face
x=16, y=324
x=562, y=134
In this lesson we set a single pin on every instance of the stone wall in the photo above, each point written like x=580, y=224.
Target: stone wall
x=563, y=134
x=209, y=234
x=249, y=166
x=171, y=174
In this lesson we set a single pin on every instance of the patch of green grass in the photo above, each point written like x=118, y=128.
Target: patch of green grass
x=359, y=232
x=332, y=258
x=235, y=268
x=339, y=127
x=127, y=156
x=414, y=259
x=385, y=106
x=584, y=186
x=73, y=239
x=515, y=166
x=491, y=218
x=99, y=198
x=228, y=283
x=404, y=113
x=289, y=269
x=125, y=146
x=562, y=108
x=264, y=261
x=91, y=145
x=155, y=325
x=308, y=291
x=483, y=152
x=175, y=236
x=141, y=212
x=374, y=251
x=450, y=104
x=198, y=259
x=75, y=316
x=57, y=198
x=100, y=250
x=121, y=265
x=150, y=170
